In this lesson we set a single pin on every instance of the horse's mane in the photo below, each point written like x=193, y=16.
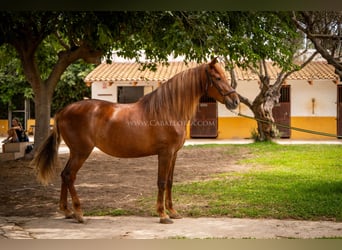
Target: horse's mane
x=176, y=99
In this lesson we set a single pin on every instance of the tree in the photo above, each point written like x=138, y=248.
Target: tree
x=324, y=29
x=258, y=38
x=269, y=95
x=31, y=33
x=48, y=42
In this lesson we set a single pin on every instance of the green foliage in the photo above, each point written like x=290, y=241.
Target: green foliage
x=71, y=87
x=255, y=36
x=47, y=55
x=243, y=37
x=12, y=81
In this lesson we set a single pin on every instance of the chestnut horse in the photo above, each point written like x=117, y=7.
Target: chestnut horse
x=154, y=125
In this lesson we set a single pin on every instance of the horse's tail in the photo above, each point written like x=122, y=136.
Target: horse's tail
x=45, y=160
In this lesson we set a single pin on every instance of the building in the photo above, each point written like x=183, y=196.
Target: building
x=310, y=99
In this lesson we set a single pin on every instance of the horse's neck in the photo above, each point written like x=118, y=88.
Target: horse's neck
x=173, y=102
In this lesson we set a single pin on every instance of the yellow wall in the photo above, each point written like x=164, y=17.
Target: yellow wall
x=241, y=128
x=232, y=128
x=322, y=124
x=30, y=123
x=3, y=127
x=235, y=127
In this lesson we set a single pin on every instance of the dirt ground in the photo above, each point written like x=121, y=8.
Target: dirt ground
x=105, y=182
x=29, y=210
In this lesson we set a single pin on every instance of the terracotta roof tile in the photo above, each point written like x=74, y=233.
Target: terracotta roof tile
x=131, y=72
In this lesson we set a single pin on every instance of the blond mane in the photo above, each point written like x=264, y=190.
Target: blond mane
x=177, y=98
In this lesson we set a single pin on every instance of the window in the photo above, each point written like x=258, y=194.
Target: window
x=130, y=94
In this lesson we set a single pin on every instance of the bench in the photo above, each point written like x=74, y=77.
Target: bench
x=13, y=151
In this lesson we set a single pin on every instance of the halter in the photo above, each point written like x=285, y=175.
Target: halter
x=212, y=83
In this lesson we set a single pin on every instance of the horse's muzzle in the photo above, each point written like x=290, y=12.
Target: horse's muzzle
x=232, y=103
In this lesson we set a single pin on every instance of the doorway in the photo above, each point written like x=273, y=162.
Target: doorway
x=339, y=110
x=205, y=122
x=19, y=108
x=282, y=111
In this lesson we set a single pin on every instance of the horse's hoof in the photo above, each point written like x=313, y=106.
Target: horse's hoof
x=166, y=220
x=175, y=216
x=69, y=216
x=79, y=218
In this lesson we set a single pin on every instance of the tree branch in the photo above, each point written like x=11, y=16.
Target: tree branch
x=234, y=82
x=60, y=40
x=245, y=101
x=317, y=39
x=326, y=36
x=67, y=57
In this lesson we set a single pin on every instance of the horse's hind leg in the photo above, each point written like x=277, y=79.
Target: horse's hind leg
x=68, y=179
x=63, y=202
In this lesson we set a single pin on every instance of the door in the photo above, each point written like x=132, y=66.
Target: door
x=21, y=110
x=339, y=110
x=282, y=111
x=204, y=123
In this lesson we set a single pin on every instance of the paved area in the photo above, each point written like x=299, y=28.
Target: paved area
x=132, y=227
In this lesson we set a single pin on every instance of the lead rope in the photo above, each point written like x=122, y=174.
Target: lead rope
x=288, y=127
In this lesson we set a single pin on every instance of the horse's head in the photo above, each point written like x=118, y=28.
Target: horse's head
x=218, y=87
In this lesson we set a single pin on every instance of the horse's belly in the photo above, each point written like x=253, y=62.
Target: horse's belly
x=127, y=151
x=123, y=139
x=139, y=146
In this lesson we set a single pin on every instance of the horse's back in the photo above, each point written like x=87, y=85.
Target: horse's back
x=83, y=112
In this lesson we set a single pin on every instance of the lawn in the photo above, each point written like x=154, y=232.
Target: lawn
x=283, y=182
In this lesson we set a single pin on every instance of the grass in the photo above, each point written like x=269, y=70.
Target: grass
x=285, y=181
x=108, y=212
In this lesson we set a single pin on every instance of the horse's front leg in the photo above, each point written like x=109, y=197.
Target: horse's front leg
x=168, y=198
x=164, y=167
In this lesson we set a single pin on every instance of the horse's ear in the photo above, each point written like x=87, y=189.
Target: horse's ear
x=213, y=62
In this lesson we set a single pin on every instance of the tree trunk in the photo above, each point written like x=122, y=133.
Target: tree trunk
x=266, y=131
x=262, y=108
x=26, y=45
x=43, y=99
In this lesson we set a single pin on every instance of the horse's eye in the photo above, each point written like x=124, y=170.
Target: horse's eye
x=218, y=78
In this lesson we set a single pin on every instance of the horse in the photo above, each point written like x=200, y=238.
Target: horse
x=154, y=125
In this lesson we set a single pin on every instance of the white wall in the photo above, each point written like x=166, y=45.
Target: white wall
x=323, y=91
x=247, y=89
x=108, y=92
x=104, y=91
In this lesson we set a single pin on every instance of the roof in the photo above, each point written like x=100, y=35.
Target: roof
x=120, y=71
